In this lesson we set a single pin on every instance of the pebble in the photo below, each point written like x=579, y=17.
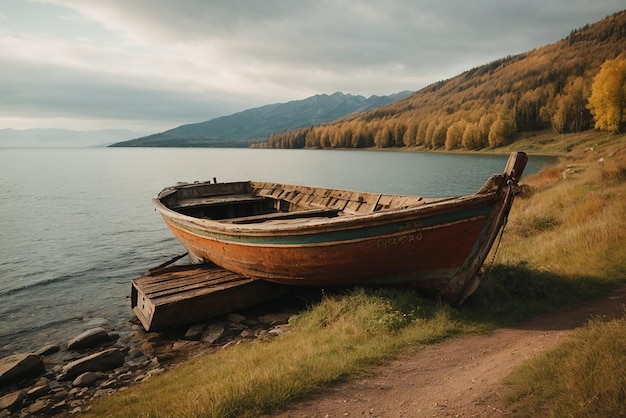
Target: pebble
x=38, y=391
x=85, y=379
x=48, y=350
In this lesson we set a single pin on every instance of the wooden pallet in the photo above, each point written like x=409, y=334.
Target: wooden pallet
x=167, y=296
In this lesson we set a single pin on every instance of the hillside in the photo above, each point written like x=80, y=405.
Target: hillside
x=487, y=106
x=240, y=129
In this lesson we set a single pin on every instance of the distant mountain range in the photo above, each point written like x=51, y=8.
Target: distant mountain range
x=257, y=124
x=56, y=138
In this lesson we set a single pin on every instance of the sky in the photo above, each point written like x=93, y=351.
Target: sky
x=153, y=65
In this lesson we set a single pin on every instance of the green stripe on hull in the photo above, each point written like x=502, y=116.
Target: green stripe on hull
x=343, y=235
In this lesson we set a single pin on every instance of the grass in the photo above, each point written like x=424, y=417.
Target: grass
x=563, y=245
x=584, y=377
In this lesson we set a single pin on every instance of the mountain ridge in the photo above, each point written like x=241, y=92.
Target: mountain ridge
x=256, y=124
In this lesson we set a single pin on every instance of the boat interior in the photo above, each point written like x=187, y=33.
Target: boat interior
x=252, y=202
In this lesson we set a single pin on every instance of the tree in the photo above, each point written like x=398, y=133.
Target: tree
x=608, y=95
x=410, y=135
x=502, y=129
x=454, y=135
x=471, y=137
x=570, y=113
x=383, y=137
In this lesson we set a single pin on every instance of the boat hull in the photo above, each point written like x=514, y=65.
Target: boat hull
x=423, y=251
x=438, y=248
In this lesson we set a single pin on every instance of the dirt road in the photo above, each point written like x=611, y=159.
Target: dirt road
x=458, y=378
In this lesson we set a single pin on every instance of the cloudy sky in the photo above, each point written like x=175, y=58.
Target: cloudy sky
x=151, y=65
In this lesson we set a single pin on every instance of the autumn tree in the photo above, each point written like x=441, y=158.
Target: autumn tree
x=471, y=137
x=383, y=137
x=454, y=135
x=502, y=129
x=410, y=135
x=608, y=95
x=570, y=113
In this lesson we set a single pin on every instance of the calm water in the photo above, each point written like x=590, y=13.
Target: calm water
x=77, y=224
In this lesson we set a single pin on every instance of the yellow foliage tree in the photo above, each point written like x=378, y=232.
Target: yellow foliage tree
x=608, y=95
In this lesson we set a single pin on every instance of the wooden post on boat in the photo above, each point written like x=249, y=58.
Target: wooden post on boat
x=466, y=281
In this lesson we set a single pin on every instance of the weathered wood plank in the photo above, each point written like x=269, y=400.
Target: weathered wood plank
x=176, y=295
x=217, y=200
x=283, y=215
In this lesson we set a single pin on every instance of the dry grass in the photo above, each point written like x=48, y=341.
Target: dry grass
x=572, y=220
x=584, y=377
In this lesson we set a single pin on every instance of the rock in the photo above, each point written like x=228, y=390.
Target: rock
x=20, y=366
x=13, y=401
x=59, y=394
x=38, y=390
x=213, y=334
x=88, y=339
x=155, y=372
x=195, y=331
x=279, y=330
x=277, y=318
x=181, y=345
x=109, y=384
x=58, y=407
x=98, y=362
x=85, y=379
x=38, y=407
x=247, y=333
x=134, y=353
x=103, y=392
x=236, y=318
x=47, y=350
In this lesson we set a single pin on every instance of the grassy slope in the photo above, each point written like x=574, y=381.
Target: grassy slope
x=563, y=244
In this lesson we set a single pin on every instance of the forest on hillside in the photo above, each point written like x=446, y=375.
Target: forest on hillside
x=576, y=84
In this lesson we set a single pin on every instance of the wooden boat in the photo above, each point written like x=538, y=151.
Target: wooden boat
x=301, y=235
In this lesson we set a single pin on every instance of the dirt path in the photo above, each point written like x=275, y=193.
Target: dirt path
x=458, y=378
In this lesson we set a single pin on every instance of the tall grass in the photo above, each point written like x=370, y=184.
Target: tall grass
x=573, y=222
x=584, y=377
x=563, y=244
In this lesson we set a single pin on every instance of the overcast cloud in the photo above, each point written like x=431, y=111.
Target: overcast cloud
x=152, y=65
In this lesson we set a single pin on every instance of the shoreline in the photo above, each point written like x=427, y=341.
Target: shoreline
x=53, y=386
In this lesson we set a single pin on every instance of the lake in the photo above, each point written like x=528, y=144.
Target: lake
x=78, y=224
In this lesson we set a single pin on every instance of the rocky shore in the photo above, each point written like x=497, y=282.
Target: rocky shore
x=62, y=380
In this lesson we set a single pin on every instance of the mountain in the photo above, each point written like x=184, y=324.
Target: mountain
x=488, y=106
x=44, y=138
x=240, y=129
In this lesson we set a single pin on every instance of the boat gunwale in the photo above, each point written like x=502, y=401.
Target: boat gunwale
x=348, y=221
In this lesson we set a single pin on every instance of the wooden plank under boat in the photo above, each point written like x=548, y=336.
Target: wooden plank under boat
x=300, y=235
x=181, y=294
